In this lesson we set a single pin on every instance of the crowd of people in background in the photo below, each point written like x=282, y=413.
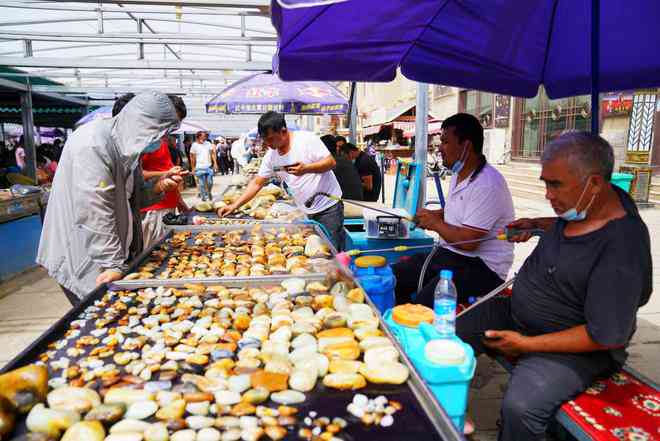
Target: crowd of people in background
x=13, y=161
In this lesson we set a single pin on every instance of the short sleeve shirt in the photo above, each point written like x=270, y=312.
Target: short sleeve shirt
x=160, y=160
x=306, y=148
x=366, y=166
x=483, y=202
x=202, y=154
x=598, y=279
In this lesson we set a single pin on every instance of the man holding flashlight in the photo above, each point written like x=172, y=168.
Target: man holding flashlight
x=302, y=161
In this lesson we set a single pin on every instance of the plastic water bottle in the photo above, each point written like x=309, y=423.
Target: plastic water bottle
x=444, y=305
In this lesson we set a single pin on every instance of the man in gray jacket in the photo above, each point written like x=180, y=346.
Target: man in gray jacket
x=92, y=225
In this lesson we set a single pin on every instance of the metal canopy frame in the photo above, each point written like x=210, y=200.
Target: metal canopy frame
x=95, y=63
x=214, y=3
x=257, y=11
x=244, y=42
x=110, y=47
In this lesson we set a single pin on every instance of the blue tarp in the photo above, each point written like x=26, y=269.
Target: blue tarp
x=504, y=46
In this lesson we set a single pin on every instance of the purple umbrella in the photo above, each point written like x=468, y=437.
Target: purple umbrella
x=101, y=112
x=263, y=92
x=502, y=46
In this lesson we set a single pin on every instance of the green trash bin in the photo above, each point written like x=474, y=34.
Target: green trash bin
x=622, y=180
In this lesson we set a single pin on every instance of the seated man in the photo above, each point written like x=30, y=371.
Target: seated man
x=575, y=300
x=345, y=171
x=478, y=205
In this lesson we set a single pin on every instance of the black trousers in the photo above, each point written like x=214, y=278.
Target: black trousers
x=333, y=220
x=472, y=277
x=540, y=382
x=223, y=164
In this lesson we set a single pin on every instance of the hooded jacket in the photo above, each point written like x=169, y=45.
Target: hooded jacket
x=92, y=209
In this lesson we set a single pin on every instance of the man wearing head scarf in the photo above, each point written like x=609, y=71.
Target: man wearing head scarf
x=92, y=226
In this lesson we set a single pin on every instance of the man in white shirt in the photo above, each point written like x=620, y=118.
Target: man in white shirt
x=302, y=161
x=203, y=162
x=478, y=205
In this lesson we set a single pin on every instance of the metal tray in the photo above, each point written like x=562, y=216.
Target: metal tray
x=422, y=418
x=423, y=395
x=224, y=228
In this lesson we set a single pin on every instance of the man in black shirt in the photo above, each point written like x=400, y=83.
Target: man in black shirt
x=345, y=171
x=575, y=300
x=367, y=169
x=174, y=150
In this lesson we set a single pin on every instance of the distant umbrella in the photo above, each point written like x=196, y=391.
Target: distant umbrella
x=101, y=112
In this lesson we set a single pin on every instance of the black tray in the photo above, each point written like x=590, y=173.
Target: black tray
x=409, y=423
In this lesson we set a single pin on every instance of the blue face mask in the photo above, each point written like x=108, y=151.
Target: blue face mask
x=572, y=215
x=460, y=163
x=152, y=147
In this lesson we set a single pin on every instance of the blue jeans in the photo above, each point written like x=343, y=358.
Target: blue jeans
x=205, y=178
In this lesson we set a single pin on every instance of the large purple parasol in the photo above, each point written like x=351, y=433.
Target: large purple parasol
x=504, y=46
x=263, y=92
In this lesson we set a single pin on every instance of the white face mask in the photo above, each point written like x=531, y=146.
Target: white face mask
x=572, y=215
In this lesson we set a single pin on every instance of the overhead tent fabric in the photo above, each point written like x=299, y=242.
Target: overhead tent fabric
x=264, y=92
x=504, y=46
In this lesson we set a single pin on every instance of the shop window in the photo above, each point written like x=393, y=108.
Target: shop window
x=439, y=91
x=541, y=120
x=491, y=110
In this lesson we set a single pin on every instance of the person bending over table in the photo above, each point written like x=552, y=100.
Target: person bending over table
x=92, y=228
x=303, y=162
x=575, y=300
x=478, y=205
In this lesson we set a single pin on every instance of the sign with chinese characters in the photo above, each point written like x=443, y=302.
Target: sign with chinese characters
x=616, y=103
x=266, y=92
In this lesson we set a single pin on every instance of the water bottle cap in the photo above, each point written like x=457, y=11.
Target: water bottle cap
x=446, y=274
x=444, y=352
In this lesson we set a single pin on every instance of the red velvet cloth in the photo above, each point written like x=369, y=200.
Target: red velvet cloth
x=621, y=407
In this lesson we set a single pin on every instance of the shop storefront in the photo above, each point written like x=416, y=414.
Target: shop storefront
x=538, y=120
x=492, y=110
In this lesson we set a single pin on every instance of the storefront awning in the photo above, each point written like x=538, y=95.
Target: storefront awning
x=48, y=109
x=435, y=127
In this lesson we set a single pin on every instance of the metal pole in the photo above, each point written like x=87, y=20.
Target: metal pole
x=421, y=135
x=352, y=125
x=248, y=53
x=140, y=45
x=99, y=20
x=595, y=66
x=28, y=134
x=27, y=48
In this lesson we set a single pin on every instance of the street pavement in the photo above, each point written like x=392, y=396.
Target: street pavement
x=31, y=302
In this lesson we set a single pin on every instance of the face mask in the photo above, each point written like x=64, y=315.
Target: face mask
x=152, y=147
x=458, y=165
x=572, y=215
